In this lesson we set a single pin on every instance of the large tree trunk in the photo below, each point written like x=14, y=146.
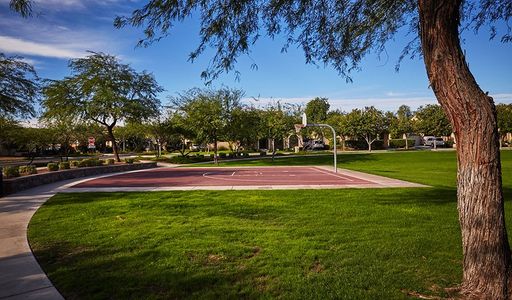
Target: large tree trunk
x=110, y=130
x=486, y=251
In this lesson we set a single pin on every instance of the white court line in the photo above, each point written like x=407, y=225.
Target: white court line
x=334, y=174
x=233, y=174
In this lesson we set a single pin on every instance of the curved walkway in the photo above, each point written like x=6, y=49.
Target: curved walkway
x=21, y=277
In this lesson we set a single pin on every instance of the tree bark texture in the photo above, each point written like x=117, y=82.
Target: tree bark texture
x=486, y=251
x=110, y=130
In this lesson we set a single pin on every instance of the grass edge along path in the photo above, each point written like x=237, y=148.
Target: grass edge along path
x=308, y=244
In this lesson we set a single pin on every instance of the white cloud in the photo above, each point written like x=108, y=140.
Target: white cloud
x=347, y=104
x=384, y=103
x=502, y=98
x=24, y=47
x=50, y=37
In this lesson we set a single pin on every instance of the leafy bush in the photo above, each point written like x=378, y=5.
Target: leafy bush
x=232, y=155
x=400, y=143
x=129, y=160
x=53, y=167
x=10, y=171
x=448, y=144
x=90, y=162
x=74, y=163
x=212, y=156
x=27, y=170
x=64, y=165
x=187, y=159
x=245, y=154
x=111, y=161
x=362, y=145
x=263, y=153
x=222, y=155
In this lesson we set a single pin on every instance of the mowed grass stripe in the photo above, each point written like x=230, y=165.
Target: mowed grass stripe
x=294, y=244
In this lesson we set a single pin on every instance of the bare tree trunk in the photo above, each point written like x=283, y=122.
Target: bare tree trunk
x=486, y=251
x=215, y=148
x=110, y=130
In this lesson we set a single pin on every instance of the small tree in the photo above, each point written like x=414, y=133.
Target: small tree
x=431, y=120
x=276, y=122
x=368, y=124
x=504, y=112
x=105, y=91
x=64, y=131
x=401, y=124
x=316, y=110
x=19, y=87
x=338, y=120
x=242, y=131
x=207, y=113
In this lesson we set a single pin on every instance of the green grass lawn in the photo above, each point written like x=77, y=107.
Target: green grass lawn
x=293, y=244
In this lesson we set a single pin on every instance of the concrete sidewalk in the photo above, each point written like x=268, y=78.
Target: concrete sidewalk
x=21, y=277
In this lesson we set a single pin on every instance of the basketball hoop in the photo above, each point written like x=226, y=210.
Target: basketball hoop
x=298, y=127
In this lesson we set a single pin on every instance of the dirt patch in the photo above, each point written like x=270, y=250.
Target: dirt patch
x=316, y=267
x=214, y=259
x=255, y=251
x=261, y=283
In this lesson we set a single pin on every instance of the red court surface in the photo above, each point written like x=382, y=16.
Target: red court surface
x=218, y=177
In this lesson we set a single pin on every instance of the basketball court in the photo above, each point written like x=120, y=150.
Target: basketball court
x=227, y=178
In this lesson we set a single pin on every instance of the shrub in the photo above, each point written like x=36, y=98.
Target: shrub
x=82, y=164
x=129, y=160
x=111, y=161
x=400, y=143
x=212, y=156
x=10, y=171
x=186, y=159
x=222, y=148
x=64, y=165
x=232, y=155
x=245, y=154
x=222, y=155
x=27, y=170
x=263, y=153
x=448, y=144
x=74, y=163
x=362, y=145
x=90, y=162
x=52, y=167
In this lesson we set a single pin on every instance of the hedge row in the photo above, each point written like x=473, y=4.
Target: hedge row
x=362, y=145
x=202, y=158
x=400, y=143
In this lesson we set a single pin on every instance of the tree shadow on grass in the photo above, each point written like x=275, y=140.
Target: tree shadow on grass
x=420, y=196
x=110, y=273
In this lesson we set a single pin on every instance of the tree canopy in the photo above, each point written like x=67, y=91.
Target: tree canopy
x=19, y=87
x=208, y=112
x=104, y=90
x=339, y=33
x=432, y=120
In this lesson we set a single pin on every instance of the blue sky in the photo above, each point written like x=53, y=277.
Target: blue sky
x=65, y=29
